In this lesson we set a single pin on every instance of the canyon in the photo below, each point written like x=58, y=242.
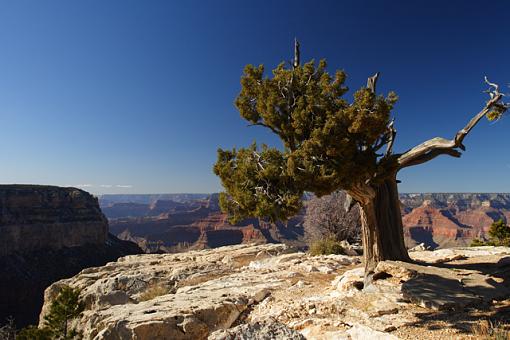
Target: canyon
x=177, y=222
x=48, y=233
x=189, y=223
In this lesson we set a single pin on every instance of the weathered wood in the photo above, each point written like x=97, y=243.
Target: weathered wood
x=297, y=53
x=381, y=221
x=372, y=82
x=434, y=147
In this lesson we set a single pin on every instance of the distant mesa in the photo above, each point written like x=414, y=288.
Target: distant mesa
x=177, y=222
x=451, y=219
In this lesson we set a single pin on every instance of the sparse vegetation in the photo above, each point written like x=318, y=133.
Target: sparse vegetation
x=499, y=235
x=66, y=307
x=325, y=247
x=8, y=330
x=34, y=333
x=488, y=330
x=153, y=292
x=334, y=217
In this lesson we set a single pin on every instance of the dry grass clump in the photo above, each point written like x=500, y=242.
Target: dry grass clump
x=153, y=292
x=487, y=330
x=325, y=247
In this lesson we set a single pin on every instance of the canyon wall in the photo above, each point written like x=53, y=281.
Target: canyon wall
x=451, y=219
x=162, y=225
x=48, y=233
x=36, y=217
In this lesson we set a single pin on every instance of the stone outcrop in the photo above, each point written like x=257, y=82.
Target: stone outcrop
x=36, y=217
x=48, y=233
x=261, y=291
x=200, y=291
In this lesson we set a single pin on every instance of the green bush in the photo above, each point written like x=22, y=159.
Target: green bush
x=499, y=235
x=66, y=307
x=34, y=333
x=325, y=247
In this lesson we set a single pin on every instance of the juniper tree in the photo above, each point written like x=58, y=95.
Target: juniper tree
x=66, y=307
x=329, y=143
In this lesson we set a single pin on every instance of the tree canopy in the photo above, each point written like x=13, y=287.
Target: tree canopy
x=329, y=143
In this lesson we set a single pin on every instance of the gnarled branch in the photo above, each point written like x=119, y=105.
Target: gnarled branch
x=392, y=133
x=372, y=81
x=266, y=126
x=434, y=147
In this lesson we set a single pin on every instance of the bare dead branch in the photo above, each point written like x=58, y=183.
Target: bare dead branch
x=434, y=147
x=392, y=132
x=433, y=154
x=372, y=81
x=297, y=53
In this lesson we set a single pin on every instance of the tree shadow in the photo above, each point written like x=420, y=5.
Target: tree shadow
x=462, y=300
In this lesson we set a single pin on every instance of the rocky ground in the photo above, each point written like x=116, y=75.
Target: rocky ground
x=269, y=291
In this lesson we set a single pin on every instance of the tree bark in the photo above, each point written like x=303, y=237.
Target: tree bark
x=381, y=219
x=382, y=228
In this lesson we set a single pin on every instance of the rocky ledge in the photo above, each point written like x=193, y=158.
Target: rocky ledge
x=268, y=291
x=34, y=217
x=48, y=233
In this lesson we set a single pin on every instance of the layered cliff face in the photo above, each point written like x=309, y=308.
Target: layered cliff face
x=448, y=220
x=36, y=217
x=170, y=226
x=48, y=233
x=163, y=225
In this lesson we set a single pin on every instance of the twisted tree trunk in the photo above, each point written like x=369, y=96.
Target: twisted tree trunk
x=381, y=219
x=381, y=222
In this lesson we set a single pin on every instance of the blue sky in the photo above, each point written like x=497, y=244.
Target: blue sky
x=136, y=96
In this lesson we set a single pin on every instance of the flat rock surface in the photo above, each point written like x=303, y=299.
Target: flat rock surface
x=271, y=292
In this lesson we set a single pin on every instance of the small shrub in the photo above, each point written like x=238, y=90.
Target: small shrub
x=477, y=242
x=487, y=330
x=8, y=331
x=153, y=292
x=499, y=235
x=332, y=216
x=34, y=333
x=325, y=247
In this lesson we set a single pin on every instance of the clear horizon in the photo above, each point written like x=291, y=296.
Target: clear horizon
x=126, y=97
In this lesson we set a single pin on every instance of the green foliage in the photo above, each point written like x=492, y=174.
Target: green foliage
x=499, y=235
x=500, y=232
x=496, y=112
x=477, y=243
x=325, y=247
x=34, y=333
x=329, y=143
x=63, y=309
